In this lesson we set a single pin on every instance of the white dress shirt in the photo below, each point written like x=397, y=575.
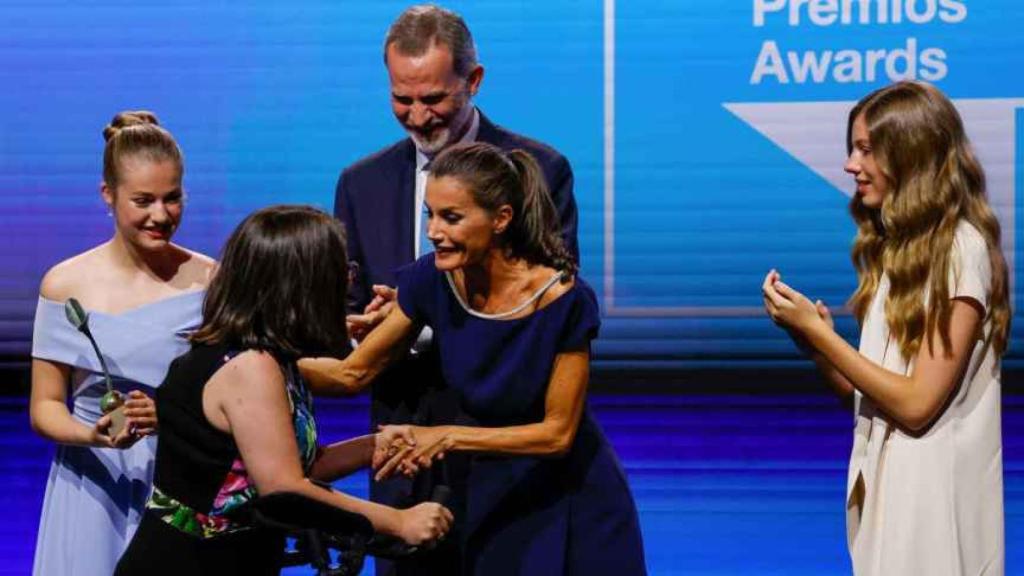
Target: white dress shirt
x=419, y=232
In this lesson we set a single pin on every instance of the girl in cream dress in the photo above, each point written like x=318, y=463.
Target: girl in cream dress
x=925, y=486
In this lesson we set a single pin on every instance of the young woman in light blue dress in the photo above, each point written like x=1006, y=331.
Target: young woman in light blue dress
x=143, y=294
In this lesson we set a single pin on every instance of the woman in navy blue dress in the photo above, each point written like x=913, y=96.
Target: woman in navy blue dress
x=513, y=325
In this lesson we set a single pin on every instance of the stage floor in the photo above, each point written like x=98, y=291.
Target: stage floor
x=725, y=484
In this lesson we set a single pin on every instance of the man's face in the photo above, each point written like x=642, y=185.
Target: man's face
x=429, y=99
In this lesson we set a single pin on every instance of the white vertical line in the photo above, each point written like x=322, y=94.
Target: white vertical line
x=609, y=155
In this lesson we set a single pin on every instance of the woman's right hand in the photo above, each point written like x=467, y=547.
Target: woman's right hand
x=140, y=413
x=424, y=523
x=100, y=436
x=771, y=288
x=825, y=314
x=359, y=325
x=800, y=341
x=391, y=442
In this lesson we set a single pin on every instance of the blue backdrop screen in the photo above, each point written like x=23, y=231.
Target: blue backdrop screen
x=706, y=137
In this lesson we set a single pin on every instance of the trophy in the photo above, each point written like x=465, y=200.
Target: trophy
x=112, y=401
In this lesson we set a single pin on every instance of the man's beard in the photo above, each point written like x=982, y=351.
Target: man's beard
x=443, y=137
x=438, y=140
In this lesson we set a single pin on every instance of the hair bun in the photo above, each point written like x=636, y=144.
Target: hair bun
x=128, y=118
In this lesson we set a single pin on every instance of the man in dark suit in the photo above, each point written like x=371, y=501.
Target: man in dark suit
x=434, y=74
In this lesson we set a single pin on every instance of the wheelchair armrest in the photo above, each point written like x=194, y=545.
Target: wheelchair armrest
x=296, y=513
x=319, y=527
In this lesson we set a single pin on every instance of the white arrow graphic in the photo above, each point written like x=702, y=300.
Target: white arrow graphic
x=815, y=134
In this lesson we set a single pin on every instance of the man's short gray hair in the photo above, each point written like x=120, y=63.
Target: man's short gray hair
x=422, y=26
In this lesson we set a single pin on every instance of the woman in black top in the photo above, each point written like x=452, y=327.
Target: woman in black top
x=236, y=418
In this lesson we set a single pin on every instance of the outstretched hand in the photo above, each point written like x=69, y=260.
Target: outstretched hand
x=359, y=325
x=431, y=444
x=391, y=441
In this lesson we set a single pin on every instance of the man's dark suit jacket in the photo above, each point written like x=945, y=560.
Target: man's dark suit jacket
x=374, y=200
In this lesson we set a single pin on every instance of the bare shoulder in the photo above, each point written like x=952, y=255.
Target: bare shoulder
x=245, y=389
x=251, y=369
x=67, y=278
x=197, y=268
x=558, y=289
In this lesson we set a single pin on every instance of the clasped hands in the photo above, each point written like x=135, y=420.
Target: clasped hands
x=405, y=449
x=793, y=311
x=139, y=421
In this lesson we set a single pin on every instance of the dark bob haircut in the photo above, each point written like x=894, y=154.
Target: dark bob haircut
x=280, y=286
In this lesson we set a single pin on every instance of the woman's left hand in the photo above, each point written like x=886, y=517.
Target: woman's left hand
x=140, y=414
x=391, y=441
x=787, y=307
x=431, y=444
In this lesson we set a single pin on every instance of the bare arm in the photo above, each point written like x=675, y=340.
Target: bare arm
x=552, y=436
x=386, y=343
x=48, y=409
x=839, y=383
x=835, y=379
x=342, y=458
x=51, y=419
x=247, y=398
x=914, y=400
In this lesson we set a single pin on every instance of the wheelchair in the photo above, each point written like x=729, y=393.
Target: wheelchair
x=318, y=529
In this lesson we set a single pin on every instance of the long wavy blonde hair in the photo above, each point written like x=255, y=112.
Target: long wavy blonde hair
x=934, y=182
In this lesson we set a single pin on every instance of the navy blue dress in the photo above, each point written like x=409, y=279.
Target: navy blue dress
x=572, y=515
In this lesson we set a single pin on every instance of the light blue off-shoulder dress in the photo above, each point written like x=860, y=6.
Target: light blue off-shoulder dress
x=95, y=496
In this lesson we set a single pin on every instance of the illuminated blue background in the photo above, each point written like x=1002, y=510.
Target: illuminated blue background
x=269, y=100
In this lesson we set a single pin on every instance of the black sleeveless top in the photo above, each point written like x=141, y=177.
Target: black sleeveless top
x=200, y=479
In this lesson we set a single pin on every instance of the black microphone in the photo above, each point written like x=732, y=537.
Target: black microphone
x=441, y=494
x=112, y=401
x=393, y=547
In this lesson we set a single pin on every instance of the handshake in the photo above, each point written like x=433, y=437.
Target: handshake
x=405, y=449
